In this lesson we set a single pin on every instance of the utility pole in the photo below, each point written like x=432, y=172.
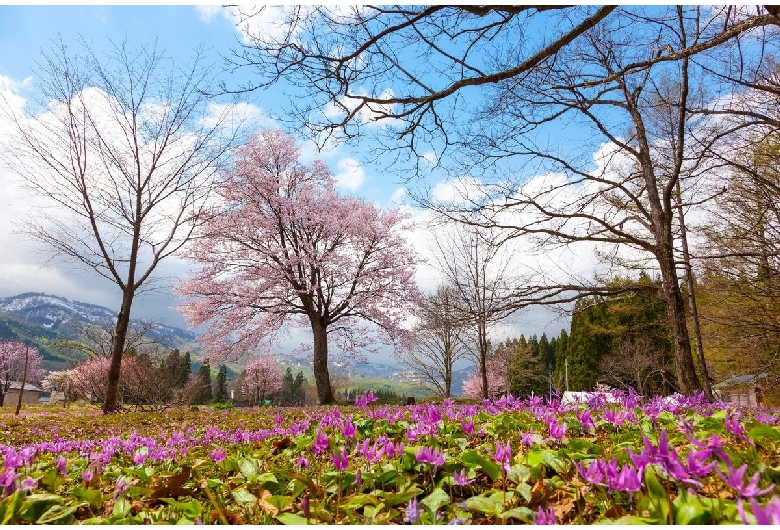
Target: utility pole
x=566, y=367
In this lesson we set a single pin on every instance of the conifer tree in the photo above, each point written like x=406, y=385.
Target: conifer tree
x=186, y=369
x=221, y=394
x=204, y=395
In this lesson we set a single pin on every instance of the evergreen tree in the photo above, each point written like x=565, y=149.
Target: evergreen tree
x=185, y=371
x=203, y=395
x=559, y=371
x=298, y=394
x=587, y=343
x=286, y=394
x=221, y=394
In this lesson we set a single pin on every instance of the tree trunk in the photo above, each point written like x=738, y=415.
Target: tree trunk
x=117, y=349
x=447, y=372
x=321, y=374
x=692, y=308
x=687, y=382
x=24, y=380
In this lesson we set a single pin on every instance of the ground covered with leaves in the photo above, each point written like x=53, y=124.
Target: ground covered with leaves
x=673, y=461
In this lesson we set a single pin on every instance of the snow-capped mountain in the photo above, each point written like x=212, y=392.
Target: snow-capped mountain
x=55, y=312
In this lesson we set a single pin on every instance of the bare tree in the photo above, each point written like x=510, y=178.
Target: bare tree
x=633, y=363
x=97, y=340
x=438, y=340
x=476, y=267
x=125, y=148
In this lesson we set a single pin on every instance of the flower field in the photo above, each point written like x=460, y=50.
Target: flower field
x=679, y=461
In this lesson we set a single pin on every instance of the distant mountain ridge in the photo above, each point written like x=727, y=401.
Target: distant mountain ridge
x=53, y=313
x=38, y=317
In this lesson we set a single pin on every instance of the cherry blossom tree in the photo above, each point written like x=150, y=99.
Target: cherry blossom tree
x=12, y=361
x=263, y=377
x=286, y=249
x=495, y=369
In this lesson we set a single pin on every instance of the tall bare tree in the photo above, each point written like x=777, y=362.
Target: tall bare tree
x=438, y=340
x=477, y=267
x=124, y=148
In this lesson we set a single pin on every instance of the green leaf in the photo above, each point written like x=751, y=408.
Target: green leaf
x=584, y=446
x=395, y=499
x=280, y=502
x=631, y=519
x=93, y=497
x=9, y=507
x=34, y=506
x=659, y=501
x=357, y=501
x=519, y=474
x=484, y=505
x=523, y=513
x=435, y=500
x=691, y=513
x=242, y=496
x=473, y=458
x=552, y=460
x=298, y=476
x=192, y=509
x=57, y=514
x=291, y=518
x=763, y=431
x=249, y=467
x=525, y=491
x=121, y=507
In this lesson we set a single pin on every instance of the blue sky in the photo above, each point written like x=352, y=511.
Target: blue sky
x=27, y=31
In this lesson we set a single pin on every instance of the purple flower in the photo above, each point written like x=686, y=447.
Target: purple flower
x=61, y=464
x=412, y=512
x=734, y=480
x=429, y=455
x=29, y=484
x=365, y=399
x=358, y=478
x=735, y=427
x=769, y=515
x=585, y=419
x=302, y=462
x=411, y=434
x=12, y=460
x=593, y=474
x=340, y=461
x=88, y=475
x=460, y=478
x=627, y=480
x=468, y=427
x=139, y=458
x=348, y=429
x=711, y=447
x=305, y=505
x=544, y=517
x=218, y=455
x=121, y=486
x=557, y=430
x=503, y=455
x=320, y=443
x=527, y=439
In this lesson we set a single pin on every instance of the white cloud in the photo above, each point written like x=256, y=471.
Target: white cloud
x=351, y=175
x=208, y=12
x=458, y=191
x=397, y=198
x=370, y=115
x=430, y=157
